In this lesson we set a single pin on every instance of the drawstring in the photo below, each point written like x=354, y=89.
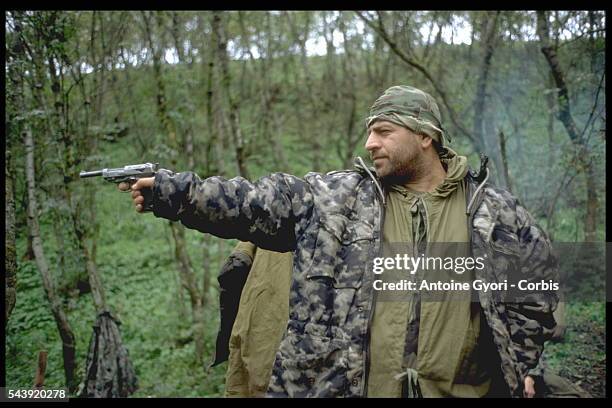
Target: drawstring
x=382, y=195
x=412, y=382
x=476, y=192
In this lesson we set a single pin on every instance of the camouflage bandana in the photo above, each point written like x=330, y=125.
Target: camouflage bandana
x=411, y=108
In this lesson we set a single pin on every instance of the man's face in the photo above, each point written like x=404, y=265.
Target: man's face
x=395, y=151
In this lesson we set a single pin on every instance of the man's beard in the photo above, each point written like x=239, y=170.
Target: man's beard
x=405, y=171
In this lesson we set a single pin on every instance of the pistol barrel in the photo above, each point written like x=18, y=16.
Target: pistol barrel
x=96, y=173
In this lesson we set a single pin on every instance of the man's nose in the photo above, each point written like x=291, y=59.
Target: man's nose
x=372, y=143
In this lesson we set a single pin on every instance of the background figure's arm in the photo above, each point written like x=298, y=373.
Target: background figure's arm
x=537, y=373
x=268, y=212
x=532, y=322
x=232, y=277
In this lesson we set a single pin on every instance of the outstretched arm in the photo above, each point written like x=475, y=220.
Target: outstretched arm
x=271, y=212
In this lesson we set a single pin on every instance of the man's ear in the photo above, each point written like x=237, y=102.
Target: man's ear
x=426, y=141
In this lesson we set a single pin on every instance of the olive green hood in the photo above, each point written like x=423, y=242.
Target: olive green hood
x=456, y=169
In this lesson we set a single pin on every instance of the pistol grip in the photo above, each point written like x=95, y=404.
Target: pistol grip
x=147, y=193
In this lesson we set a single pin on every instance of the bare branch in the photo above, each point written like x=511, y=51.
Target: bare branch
x=402, y=55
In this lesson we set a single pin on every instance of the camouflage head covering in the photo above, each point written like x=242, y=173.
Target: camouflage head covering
x=411, y=108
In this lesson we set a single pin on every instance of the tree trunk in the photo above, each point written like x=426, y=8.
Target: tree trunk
x=178, y=230
x=563, y=186
x=300, y=35
x=592, y=49
x=10, y=261
x=60, y=125
x=213, y=152
x=550, y=126
x=590, y=223
x=489, y=33
x=95, y=282
x=14, y=97
x=59, y=230
x=131, y=102
x=348, y=65
x=162, y=107
x=187, y=113
x=237, y=137
x=504, y=160
x=29, y=253
x=65, y=330
x=85, y=231
x=189, y=281
x=222, y=255
x=492, y=148
x=565, y=116
x=198, y=329
x=41, y=368
x=207, y=242
x=180, y=289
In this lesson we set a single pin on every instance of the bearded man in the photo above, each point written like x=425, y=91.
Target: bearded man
x=339, y=341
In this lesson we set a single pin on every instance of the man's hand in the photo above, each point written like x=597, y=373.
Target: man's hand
x=529, y=389
x=146, y=182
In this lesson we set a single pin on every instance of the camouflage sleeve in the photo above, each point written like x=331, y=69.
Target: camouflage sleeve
x=271, y=212
x=531, y=318
x=538, y=371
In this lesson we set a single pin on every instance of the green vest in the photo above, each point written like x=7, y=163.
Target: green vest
x=447, y=333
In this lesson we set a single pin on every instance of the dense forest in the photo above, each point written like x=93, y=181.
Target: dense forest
x=248, y=93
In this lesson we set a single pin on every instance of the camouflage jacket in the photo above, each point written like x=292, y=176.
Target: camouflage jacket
x=332, y=222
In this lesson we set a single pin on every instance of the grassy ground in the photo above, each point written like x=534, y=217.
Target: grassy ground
x=143, y=295
x=581, y=357
x=137, y=267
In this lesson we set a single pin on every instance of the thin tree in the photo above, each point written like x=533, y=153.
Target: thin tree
x=61, y=320
x=185, y=266
x=220, y=35
x=582, y=151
